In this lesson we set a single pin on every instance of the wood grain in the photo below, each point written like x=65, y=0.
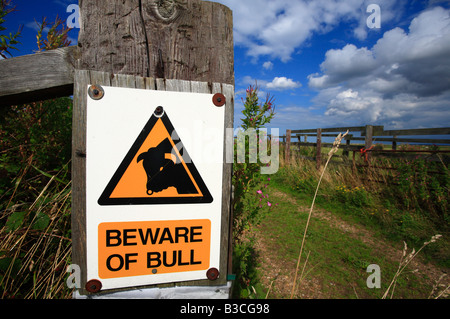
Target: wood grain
x=37, y=76
x=133, y=37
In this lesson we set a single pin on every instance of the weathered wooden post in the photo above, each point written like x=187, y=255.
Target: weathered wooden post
x=141, y=53
x=368, y=141
x=319, y=149
x=348, y=140
x=287, y=151
x=182, y=46
x=394, y=143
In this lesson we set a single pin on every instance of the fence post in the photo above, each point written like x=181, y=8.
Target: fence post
x=287, y=151
x=150, y=44
x=394, y=143
x=369, y=140
x=347, y=146
x=319, y=148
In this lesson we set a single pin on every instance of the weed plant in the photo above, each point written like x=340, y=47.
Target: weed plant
x=250, y=201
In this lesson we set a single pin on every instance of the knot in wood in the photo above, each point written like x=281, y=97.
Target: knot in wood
x=166, y=10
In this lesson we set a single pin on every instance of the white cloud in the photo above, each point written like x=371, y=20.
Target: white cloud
x=404, y=78
x=277, y=84
x=283, y=83
x=344, y=64
x=268, y=65
x=278, y=28
x=35, y=26
x=65, y=3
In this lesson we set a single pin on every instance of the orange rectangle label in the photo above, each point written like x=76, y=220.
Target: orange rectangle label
x=148, y=248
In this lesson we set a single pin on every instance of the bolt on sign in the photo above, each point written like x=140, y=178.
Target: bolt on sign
x=153, y=186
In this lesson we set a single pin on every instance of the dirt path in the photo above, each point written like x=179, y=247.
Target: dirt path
x=277, y=274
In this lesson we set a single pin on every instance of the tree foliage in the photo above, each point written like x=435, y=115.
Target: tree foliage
x=7, y=41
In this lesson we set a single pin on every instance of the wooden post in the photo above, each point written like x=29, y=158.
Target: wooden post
x=369, y=140
x=169, y=39
x=287, y=151
x=354, y=163
x=184, y=46
x=172, y=45
x=347, y=146
x=394, y=143
x=319, y=148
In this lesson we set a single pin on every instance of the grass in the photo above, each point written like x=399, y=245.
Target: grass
x=337, y=257
x=330, y=155
x=379, y=206
x=35, y=247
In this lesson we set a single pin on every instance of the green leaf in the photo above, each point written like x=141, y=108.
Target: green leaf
x=15, y=221
x=5, y=263
x=47, y=175
x=41, y=221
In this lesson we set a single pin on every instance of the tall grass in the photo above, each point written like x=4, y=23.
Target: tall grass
x=334, y=149
x=35, y=199
x=406, y=204
x=35, y=247
x=405, y=260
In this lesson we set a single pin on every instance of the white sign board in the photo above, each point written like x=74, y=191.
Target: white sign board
x=153, y=186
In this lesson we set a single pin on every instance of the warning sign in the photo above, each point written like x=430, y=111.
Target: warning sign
x=154, y=187
x=150, y=248
x=156, y=170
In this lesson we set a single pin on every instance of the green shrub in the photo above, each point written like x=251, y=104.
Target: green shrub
x=422, y=186
x=34, y=138
x=355, y=196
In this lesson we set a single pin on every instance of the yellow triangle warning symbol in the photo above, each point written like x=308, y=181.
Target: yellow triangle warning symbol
x=156, y=170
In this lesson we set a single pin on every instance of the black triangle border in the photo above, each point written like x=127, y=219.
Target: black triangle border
x=105, y=199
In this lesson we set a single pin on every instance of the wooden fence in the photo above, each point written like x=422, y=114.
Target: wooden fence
x=368, y=136
x=158, y=45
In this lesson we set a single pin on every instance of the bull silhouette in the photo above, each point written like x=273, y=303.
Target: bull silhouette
x=163, y=172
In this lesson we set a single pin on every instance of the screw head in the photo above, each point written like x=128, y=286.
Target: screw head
x=94, y=286
x=213, y=274
x=96, y=92
x=219, y=99
x=159, y=111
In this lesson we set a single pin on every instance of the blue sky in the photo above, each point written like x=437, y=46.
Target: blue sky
x=320, y=60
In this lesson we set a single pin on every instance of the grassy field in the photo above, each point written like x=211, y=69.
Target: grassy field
x=339, y=248
x=354, y=224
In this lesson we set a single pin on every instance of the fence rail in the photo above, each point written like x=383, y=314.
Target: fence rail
x=368, y=135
